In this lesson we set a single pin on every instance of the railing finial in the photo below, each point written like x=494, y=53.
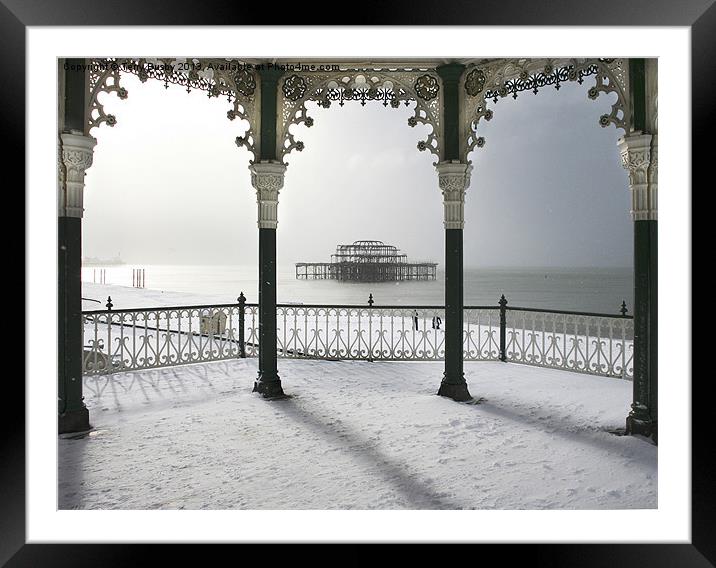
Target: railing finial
x=503, y=301
x=241, y=299
x=370, y=300
x=623, y=309
x=109, y=303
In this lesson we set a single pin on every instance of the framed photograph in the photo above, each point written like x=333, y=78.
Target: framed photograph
x=453, y=340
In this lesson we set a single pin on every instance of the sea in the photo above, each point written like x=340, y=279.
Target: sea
x=600, y=290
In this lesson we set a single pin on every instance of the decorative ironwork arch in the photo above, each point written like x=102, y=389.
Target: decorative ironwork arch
x=391, y=87
x=481, y=82
x=103, y=78
x=217, y=77
x=502, y=78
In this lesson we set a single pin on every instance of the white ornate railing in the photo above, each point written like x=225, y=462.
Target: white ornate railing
x=481, y=339
x=589, y=343
x=395, y=333
x=124, y=340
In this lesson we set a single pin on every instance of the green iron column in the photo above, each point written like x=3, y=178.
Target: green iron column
x=74, y=157
x=639, y=151
x=267, y=176
x=453, y=178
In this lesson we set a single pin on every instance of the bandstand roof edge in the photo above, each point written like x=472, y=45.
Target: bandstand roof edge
x=373, y=64
x=389, y=80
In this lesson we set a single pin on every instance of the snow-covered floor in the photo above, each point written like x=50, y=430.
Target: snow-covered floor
x=356, y=435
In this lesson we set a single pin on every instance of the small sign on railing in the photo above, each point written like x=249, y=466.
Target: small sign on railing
x=213, y=323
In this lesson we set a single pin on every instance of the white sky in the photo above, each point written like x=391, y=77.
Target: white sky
x=168, y=184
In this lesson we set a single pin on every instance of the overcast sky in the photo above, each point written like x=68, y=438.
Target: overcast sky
x=168, y=184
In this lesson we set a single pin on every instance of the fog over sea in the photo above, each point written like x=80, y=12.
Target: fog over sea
x=575, y=289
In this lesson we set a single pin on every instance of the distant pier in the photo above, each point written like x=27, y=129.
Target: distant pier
x=367, y=261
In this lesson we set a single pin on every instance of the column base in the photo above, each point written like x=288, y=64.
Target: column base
x=456, y=391
x=269, y=389
x=73, y=421
x=646, y=428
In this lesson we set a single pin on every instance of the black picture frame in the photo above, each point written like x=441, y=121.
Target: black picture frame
x=16, y=15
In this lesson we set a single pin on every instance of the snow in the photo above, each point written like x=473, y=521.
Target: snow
x=355, y=435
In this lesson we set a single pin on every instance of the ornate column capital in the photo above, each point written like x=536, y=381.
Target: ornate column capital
x=75, y=157
x=267, y=178
x=454, y=179
x=636, y=154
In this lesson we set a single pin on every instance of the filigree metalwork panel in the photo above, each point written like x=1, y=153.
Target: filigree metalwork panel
x=251, y=314
x=104, y=77
x=217, y=77
x=481, y=340
x=493, y=80
x=597, y=345
x=390, y=87
x=127, y=340
x=549, y=75
x=353, y=332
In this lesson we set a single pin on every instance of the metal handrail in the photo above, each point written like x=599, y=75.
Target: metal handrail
x=568, y=312
x=357, y=306
x=165, y=308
